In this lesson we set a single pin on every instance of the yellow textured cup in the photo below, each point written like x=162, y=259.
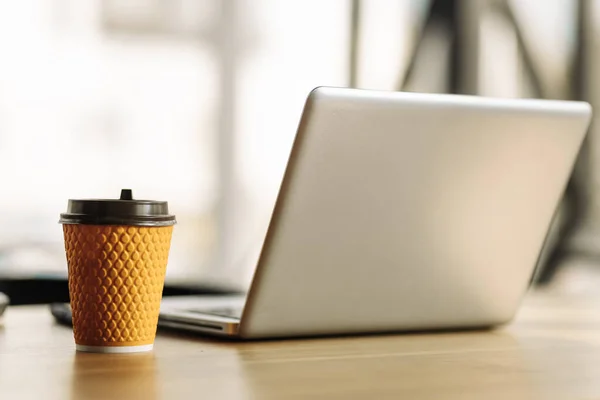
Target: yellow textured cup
x=116, y=276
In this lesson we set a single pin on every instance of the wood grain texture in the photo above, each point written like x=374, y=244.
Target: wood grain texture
x=551, y=351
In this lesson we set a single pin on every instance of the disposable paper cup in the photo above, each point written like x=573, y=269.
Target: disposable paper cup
x=117, y=253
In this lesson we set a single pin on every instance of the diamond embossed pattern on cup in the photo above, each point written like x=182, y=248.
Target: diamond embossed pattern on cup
x=116, y=277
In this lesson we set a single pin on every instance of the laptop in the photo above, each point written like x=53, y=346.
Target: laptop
x=402, y=212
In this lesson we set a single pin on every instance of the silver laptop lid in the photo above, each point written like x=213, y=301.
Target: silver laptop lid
x=411, y=211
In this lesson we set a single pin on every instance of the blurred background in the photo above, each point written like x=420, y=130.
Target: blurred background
x=197, y=102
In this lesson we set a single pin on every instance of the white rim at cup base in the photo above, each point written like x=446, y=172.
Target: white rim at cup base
x=114, y=349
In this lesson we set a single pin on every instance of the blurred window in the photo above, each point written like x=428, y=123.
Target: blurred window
x=197, y=102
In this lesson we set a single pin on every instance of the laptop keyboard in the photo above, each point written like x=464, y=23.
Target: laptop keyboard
x=229, y=312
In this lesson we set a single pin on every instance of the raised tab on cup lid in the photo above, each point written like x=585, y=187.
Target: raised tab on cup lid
x=122, y=211
x=126, y=194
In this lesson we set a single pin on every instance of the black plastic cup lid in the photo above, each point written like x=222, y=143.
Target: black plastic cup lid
x=122, y=211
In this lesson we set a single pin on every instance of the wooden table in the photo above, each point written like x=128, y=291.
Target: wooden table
x=552, y=351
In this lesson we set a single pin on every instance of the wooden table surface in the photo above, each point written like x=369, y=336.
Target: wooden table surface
x=551, y=351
